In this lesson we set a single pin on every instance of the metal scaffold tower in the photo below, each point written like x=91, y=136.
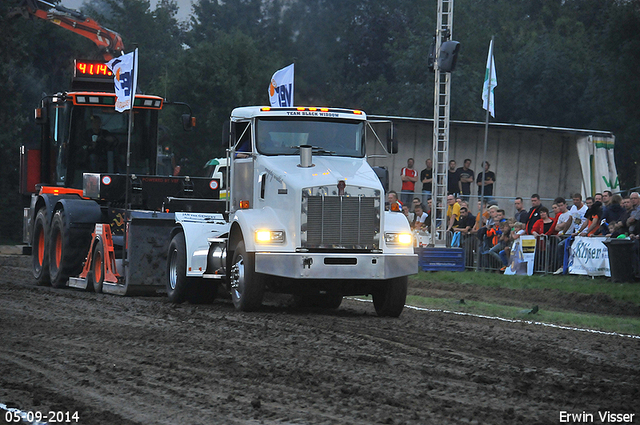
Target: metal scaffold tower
x=441, y=106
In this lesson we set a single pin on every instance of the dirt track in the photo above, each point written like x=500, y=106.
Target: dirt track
x=144, y=361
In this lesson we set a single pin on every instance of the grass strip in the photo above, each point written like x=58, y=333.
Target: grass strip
x=578, y=284
x=624, y=325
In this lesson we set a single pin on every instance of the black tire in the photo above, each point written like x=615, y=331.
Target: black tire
x=389, y=297
x=40, y=248
x=245, y=285
x=95, y=277
x=65, y=251
x=178, y=285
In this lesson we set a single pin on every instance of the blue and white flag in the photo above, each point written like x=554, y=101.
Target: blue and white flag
x=125, y=78
x=489, y=83
x=281, y=87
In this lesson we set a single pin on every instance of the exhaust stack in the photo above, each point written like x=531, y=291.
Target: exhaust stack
x=306, y=160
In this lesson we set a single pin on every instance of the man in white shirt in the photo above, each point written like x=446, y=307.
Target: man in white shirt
x=564, y=220
x=577, y=211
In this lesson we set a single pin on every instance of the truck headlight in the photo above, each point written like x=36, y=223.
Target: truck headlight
x=398, y=238
x=269, y=236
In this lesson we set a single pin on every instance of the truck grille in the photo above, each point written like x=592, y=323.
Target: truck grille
x=342, y=222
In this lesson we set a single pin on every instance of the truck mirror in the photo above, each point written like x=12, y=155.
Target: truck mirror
x=188, y=122
x=392, y=142
x=226, y=130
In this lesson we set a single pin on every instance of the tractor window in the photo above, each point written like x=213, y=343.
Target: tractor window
x=99, y=138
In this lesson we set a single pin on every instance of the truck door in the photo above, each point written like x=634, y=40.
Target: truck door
x=242, y=165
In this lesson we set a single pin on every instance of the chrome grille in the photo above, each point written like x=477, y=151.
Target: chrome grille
x=347, y=222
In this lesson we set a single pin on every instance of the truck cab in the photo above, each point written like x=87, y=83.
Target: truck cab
x=306, y=212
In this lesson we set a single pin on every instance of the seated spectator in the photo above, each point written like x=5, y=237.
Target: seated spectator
x=465, y=223
x=620, y=227
x=415, y=202
x=612, y=213
x=392, y=200
x=545, y=225
x=420, y=219
x=592, y=220
x=410, y=216
x=503, y=241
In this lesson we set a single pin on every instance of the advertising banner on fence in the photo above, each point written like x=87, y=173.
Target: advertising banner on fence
x=589, y=256
x=523, y=254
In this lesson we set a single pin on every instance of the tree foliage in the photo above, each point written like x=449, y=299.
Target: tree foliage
x=570, y=63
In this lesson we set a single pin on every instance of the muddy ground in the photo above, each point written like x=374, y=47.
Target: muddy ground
x=123, y=360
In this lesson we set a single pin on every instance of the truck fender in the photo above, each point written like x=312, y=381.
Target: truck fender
x=396, y=222
x=80, y=212
x=249, y=221
x=43, y=201
x=197, y=228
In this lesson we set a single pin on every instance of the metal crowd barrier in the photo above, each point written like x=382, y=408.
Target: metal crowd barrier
x=547, y=259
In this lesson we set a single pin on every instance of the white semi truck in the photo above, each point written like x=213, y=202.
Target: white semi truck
x=305, y=215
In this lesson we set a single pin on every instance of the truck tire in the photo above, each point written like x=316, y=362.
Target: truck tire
x=96, y=274
x=40, y=248
x=65, y=255
x=245, y=285
x=178, y=284
x=389, y=297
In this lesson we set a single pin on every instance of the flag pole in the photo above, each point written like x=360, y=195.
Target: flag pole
x=487, y=88
x=134, y=70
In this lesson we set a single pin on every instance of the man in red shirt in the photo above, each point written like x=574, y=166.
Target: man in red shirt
x=409, y=177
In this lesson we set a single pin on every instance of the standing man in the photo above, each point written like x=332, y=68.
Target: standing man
x=521, y=213
x=563, y=219
x=426, y=177
x=409, y=177
x=534, y=212
x=452, y=179
x=465, y=178
x=489, y=180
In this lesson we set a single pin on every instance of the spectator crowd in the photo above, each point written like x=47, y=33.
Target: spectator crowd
x=604, y=214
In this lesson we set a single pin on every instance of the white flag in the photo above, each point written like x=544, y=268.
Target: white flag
x=125, y=78
x=489, y=84
x=281, y=87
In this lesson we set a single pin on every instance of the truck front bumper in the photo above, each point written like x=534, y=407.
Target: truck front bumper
x=307, y=265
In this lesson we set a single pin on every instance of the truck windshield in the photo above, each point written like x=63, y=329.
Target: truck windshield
x=278, y=136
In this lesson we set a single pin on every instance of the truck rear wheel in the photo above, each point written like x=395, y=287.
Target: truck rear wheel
x=40, y=251
x=177, y=282
x=389, y=297
x=246, y=286
x=65, y=258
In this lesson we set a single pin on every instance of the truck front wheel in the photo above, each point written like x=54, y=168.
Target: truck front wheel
x=40, y=252
x=177, y=281
x=389, y=297
x=246, y=286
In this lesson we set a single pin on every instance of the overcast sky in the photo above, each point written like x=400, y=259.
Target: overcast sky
x=183, y=13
